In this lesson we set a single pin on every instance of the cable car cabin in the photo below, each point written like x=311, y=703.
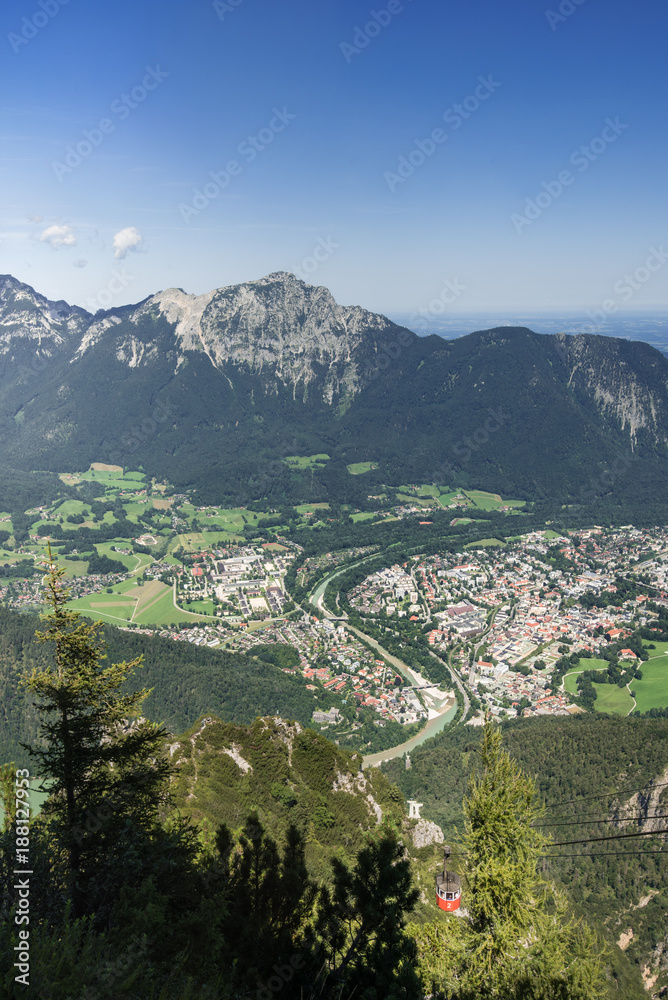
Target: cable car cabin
x=448, y=887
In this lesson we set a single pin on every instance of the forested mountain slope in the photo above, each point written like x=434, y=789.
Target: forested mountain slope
x=186, y=680
x=210, y=390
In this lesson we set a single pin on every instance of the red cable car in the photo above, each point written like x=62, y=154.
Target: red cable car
x=448, y=886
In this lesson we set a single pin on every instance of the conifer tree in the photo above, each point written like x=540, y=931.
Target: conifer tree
x=269, y=900
x=361, y=925
x=517, y=940
x=504, y=891
x=106, y=771
x=7, y=795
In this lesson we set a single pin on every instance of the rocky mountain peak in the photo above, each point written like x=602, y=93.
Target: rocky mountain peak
x=29, y=316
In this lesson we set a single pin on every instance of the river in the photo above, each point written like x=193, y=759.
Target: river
x=447, y=708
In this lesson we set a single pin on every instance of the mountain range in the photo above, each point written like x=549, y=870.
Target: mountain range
x=214, y=391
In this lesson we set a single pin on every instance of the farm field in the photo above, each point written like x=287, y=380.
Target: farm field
x=131, y=562
x=112, y=608
x=445, y=499
x=415, y=499
x=652, y=690
x=151, y=603
x=190, y=541
x=306, y=461
x=484, y=543
x=359, y=468
x=363, y=516
x=659, y=650
x=115, y=479
x=310, y=508
x=612, y=699
x=491, y=501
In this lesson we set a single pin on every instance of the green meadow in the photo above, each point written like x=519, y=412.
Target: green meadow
x=491, y=501
x=445, y=499
x=359, y=468
x=570, y=679
x=306, y=461
x=612, y=699
x=652, y=690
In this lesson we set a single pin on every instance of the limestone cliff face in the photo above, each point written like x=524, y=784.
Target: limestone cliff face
x=31, y=320
x=278, y=327
x=645, y=807
x=627, y=381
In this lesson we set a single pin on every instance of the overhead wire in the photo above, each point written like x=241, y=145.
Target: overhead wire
x=603, y=795
x=603, y=819
x=614, y=836
x=602, y=854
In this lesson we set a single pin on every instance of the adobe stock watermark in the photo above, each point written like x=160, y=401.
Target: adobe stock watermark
x=223, y=7
x=321, y=252
x=449, y=294
x=121, y=107
x=95, y=819
x=362, y=37
x=282, y=974
x=276, y=468
x=249, y=149
x=160, y=412
x=31, y=26
x=626, y=288
x=582, y=158
x=470, y=443
x=118, y=282
x=565, y=9
x=454, y=117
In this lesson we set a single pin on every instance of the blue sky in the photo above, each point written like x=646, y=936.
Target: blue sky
x=397, y=153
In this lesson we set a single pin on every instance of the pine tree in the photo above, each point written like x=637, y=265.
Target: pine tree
x=517, y=940
x=269, y=901
x=106, y=772
x=504, y=891
x=7, y=795
x=361, y=925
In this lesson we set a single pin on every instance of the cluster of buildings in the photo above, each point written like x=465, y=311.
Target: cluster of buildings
x=331, y=656
x=505, y=608
x=248, y=582
x=392, y=590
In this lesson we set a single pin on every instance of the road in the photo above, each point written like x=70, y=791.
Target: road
x=447, y=709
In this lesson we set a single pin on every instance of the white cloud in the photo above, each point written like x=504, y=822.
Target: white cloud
x=58, y=237
x=79, y=262
x=125, y=241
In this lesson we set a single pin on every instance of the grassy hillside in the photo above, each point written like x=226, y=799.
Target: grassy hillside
x=288, y=775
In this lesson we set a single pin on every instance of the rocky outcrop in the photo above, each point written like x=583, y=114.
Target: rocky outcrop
x=28, y=317
x=425, y=833
x=629, y=387
x=645, y=805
